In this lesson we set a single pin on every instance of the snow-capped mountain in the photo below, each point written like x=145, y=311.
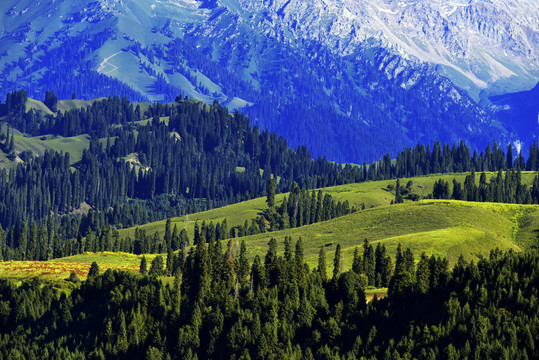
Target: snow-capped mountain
x=478, y=44
x=351, y=79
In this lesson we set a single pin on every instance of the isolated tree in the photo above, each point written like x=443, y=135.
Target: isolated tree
x=243, y=268
x=143, y=266
x=94, y=270
x=156, y=268
x=337, y=261
x=357, y=263
x=168, y=235
x=398, y=195
x=270, y=189
x=177, y=292
x=73, y=277
x=509, y=161
x=322, y=264
x=196, y=236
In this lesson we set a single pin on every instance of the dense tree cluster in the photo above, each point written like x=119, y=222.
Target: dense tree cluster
x=302, y=207
x=220, y=306
x=200, y=157
x=196, y=156
x=503, y=188
x=210, y=232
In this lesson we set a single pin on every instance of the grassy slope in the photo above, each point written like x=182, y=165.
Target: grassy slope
x=60, y=269
x=372, y=194
x=39, y=106
x=39, y=144
x=441, y=228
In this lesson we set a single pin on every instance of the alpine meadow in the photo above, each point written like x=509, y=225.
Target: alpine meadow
x=228, y=179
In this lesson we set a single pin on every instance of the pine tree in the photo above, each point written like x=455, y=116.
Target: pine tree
x=322, y=264
x=398, y=195
x=143, y=266
x=196, y=237
x=509, y=160
x=369, y=262
x=177, y=293
x=357, y=264
x=270, y=189
x=243, y=268
x=288, y=249
x=168, y=235
x=94, y=271
x=156, y=268
x=337, y=262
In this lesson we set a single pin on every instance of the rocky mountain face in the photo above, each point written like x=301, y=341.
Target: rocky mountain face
x=350, y=79
x=479, y=45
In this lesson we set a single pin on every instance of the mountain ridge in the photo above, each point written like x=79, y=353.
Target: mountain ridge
x=248, y=58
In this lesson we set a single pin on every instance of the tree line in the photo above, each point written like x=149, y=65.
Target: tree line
x=219, y=305
x=503, y=188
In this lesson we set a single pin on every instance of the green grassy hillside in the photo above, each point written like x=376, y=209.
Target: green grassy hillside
x=437, y=227
x=59, y=269
x=39, y=106
x=372, y=194
x=442, y=228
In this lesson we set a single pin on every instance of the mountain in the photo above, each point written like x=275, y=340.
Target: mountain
x=334, y=75
x=481, y=46
x=519, y=110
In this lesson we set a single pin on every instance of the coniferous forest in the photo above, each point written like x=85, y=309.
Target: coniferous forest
x=148, y=162
x=222, y=307
x=178, y=158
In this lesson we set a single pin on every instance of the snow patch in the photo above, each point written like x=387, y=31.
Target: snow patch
x=517, y=144
x=387, y=11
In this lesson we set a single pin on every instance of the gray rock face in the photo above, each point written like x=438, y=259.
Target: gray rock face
x=477, y=44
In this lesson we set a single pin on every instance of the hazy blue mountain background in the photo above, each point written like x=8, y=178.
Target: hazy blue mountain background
x=351, y=79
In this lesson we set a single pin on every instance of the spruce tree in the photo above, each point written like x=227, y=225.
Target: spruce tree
x=143, y=266
x=94, y=271
x=322, y=264
x=337, y=262
x=270, y=189
x=156, y=268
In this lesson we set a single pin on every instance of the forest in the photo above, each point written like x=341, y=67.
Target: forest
x=506, y=188
x=178, y=158
x=221, y=306
x=206, y=299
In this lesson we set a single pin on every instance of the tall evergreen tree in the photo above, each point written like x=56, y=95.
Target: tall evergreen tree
x=337, y=262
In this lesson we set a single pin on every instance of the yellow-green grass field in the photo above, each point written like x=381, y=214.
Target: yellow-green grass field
x=39, y=144
x=60, y=269
x=437, y=227
x=372, y=194
x=441, y=228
